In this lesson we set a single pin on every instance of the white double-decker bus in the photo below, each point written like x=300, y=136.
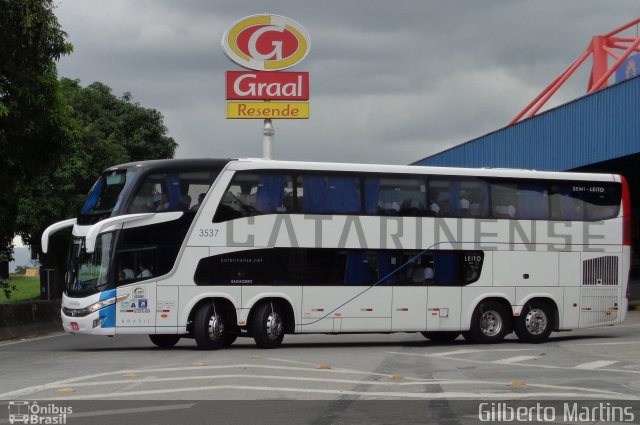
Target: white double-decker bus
x=216, y=249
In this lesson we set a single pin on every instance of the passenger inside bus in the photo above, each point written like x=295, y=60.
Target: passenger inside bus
x=422, y=275
x=464, y=207
x=246, y=197
x=144, y=270
x=421, y=271
x=434, y=209
x=200, y=199
x=163, y=203
x=185, y=202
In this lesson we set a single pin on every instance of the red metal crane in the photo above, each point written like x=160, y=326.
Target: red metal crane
x=601, y=47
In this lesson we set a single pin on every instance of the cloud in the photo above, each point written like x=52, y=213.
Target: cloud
x=391, y=82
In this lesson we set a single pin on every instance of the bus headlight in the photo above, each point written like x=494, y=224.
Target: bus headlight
x=81, y=312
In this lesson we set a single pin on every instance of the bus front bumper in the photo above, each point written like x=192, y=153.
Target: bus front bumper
x=92, y=324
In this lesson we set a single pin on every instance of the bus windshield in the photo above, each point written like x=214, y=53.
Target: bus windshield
x=105, y=195
x=89, y=272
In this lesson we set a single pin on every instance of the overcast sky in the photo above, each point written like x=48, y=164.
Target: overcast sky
x=391, y=81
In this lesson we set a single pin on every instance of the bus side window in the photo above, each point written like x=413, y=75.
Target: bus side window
x=602, y=202
x=474, y=198
x=402, y=196
x=520, y=200
x=532, y=201
x=565, y=204
x=137, y=264
x=458, y=197
x=252, y=267
x=273, y=193
x=446, y=268
x=420, y=271
x=471, y=266
x=358, y=269
x=439, y=198
x=504, y=200
x=161, y=192
x=329, y=194
x=251, y=194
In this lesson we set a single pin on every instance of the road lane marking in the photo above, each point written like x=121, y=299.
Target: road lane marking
x=6, y=344
x=64, y=382
x=413, y=383
x=541, y=366
x=473, y=351
x=601, y=343
x=596, y=365
x=515, y=359
x=363, y=394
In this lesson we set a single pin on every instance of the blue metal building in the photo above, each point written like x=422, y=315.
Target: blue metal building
x=595, y=133
x=596, y=128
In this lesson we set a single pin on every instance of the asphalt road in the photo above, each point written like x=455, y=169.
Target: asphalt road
x=322, y=372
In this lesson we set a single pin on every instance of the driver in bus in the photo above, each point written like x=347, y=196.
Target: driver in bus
x=125, y=272
x=143, y=267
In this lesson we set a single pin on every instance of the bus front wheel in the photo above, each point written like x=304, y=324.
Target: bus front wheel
x=490, y=323
x=164, y=341
x=535, y=322
x=268, y=326
x=210, y=329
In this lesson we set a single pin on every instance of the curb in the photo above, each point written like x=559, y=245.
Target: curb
x=29, y=319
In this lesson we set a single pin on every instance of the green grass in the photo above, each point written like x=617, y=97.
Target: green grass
x=27, y=288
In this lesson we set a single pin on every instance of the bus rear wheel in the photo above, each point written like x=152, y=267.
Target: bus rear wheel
x=164, y=341
x=490, y=323
x=535, y=322
x=441, y=336
x=268, y=326
x=210, y=329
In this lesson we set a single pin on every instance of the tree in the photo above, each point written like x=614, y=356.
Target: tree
x=55, y=136
x=32, y=121
x=104, y=130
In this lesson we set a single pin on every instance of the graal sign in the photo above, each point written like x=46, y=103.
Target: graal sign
x=266, y=42
x=248, y=85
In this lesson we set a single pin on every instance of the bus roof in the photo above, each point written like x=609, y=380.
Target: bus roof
x=258, y=163
x=164, y=164
x=249, y=164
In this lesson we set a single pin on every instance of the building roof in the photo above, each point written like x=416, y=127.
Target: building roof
x=587, y=130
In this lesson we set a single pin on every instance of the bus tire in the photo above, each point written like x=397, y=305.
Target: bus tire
x=164, y=341
x=268, y=326
x=490, y=323
x=210, y=329
x=535, y=322
x=441, y=336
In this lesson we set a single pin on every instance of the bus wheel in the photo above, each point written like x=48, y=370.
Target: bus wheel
x=164, y=341
x=535, y=322
x=209, y=328
x=490, y=323
x=441, y=336
x=268, y=326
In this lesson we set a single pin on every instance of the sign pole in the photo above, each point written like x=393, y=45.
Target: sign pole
x=267, y=139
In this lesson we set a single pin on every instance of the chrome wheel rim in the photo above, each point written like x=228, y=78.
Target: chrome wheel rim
x=536, y=321
x=490, y=323
x=216, y=327
x=275, y=326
